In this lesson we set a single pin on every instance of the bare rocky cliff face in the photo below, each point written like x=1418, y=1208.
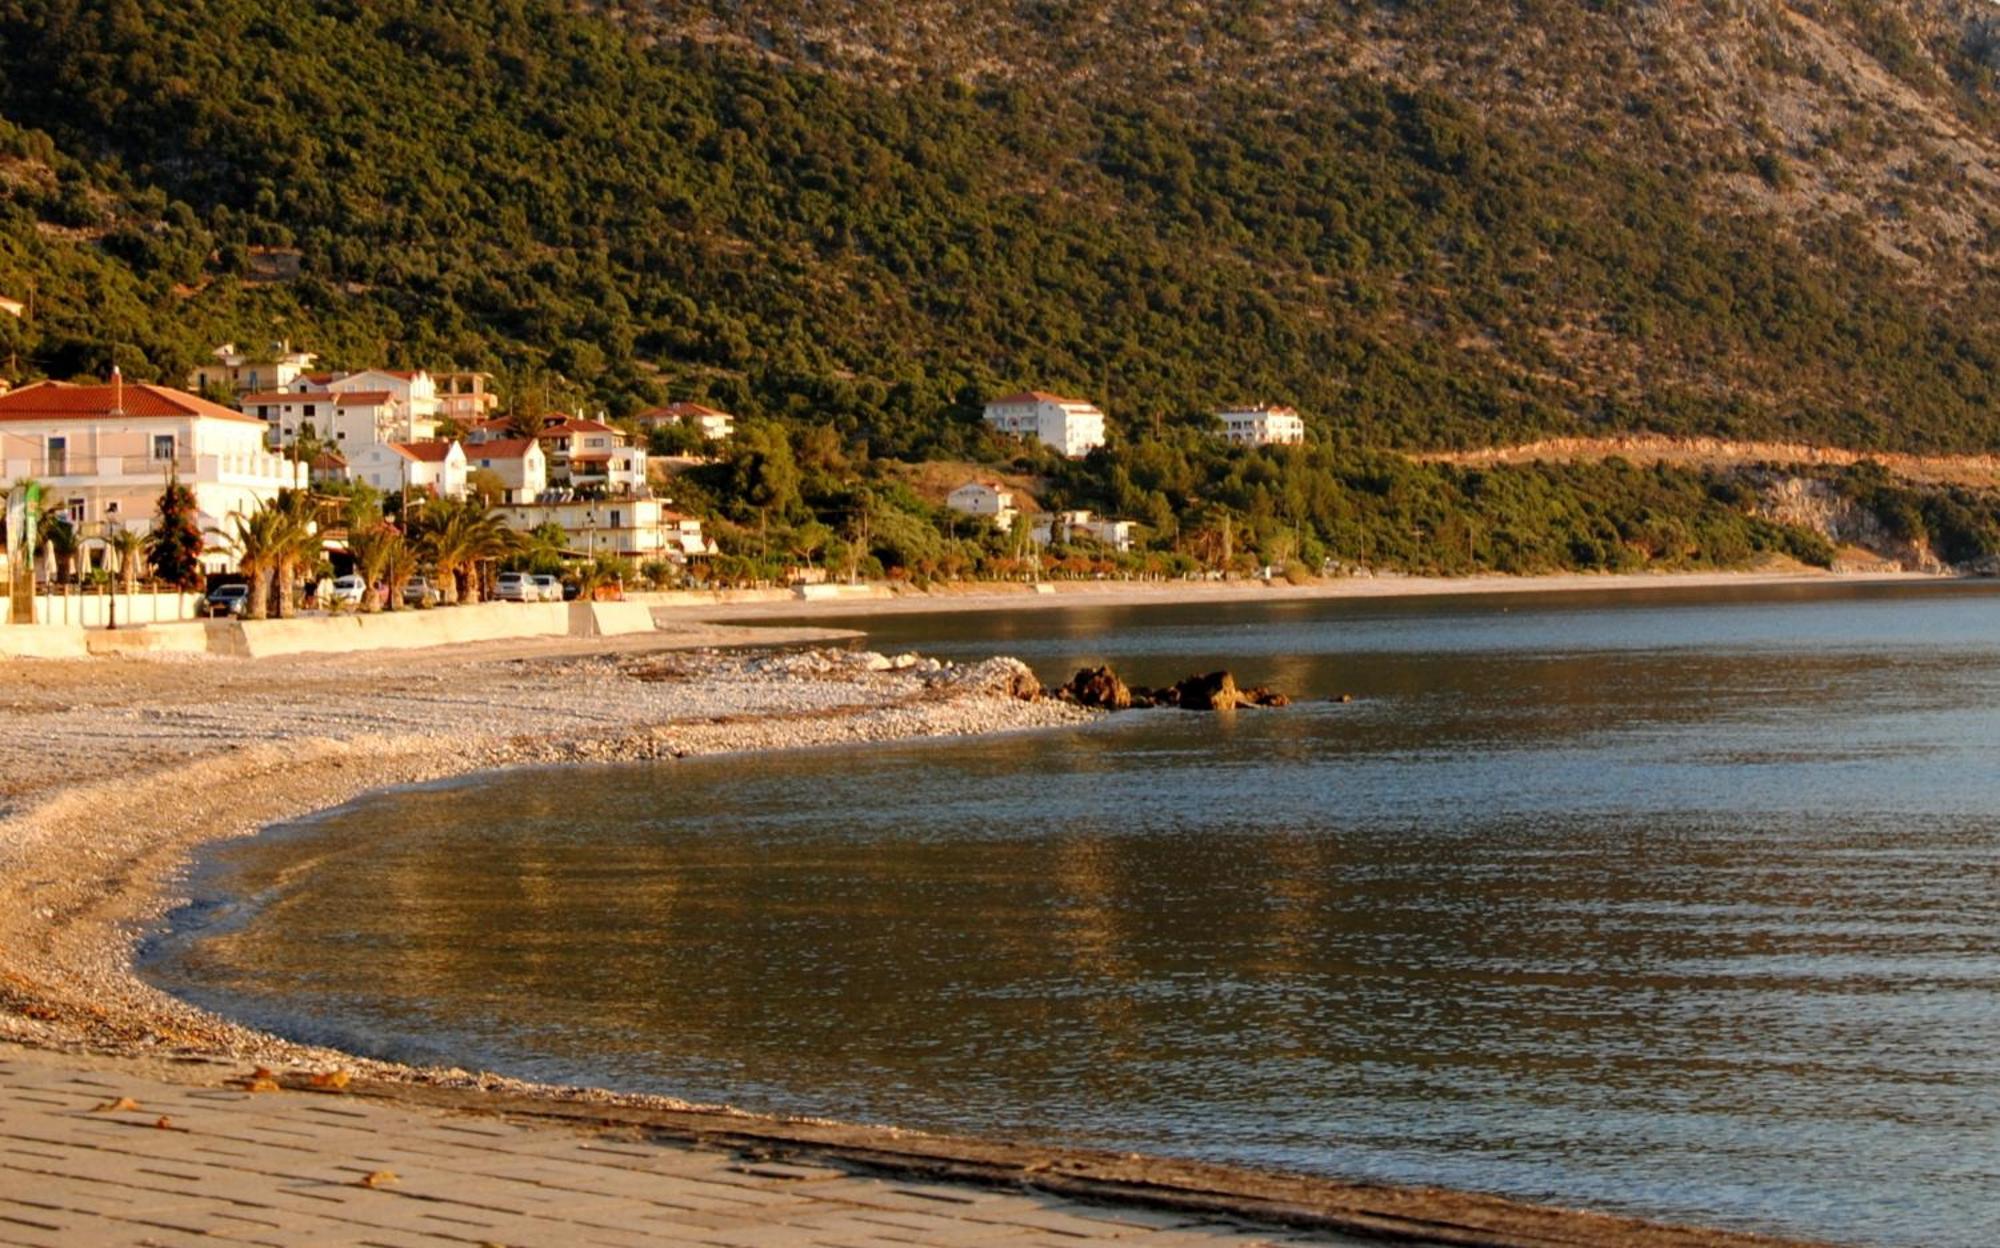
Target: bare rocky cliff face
x=1817, y=505
x=1880, y=116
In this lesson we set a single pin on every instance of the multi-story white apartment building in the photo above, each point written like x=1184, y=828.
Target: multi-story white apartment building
x=632, y=528
x=339, y=418
x=103, y=454
x=238, y=371
x=1072, y=427
x=1262, y=426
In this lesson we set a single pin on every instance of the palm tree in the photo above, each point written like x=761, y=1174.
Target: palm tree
x=300, y=542
x=399, y=564
x=257, y=541
x=129, y=545
x=457, y=534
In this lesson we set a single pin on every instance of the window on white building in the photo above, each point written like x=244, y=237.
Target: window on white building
x=163, y=446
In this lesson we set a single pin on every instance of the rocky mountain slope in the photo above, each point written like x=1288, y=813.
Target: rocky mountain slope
x=1428, y=225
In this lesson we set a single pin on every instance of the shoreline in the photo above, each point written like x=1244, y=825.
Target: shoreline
x=991, y=596
x=82, y=882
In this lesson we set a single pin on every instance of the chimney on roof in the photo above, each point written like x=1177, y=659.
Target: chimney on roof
x=117, y=391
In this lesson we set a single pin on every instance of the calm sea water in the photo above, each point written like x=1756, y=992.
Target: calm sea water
x=1686, y=905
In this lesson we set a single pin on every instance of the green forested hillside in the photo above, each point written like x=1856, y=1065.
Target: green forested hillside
x=511, y=184
x=1427, y=226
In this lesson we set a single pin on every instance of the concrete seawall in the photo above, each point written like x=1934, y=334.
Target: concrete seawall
x=335, y=634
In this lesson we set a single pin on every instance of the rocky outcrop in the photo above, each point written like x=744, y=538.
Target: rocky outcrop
x=1100, y=688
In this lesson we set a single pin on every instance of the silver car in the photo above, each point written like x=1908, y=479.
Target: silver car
x=516, y=587
x=550, y=588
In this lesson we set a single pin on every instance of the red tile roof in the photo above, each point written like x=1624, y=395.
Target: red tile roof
x=363, y=398
x=1035, y=396
x=573, y=424
x=503, y=448
x=678, y=411
x=423, y=452
x=58, y=400
x=328, y=461
x=271, y=397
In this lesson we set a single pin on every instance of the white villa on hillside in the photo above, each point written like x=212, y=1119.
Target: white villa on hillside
x=1262, y=426
x=1072, y=427
x=635, y=528
x=988, y=500
x=582, y=454
x=1068, y=526
x=713, y=425
x=275, y=369
x=103, y=453
x=427, y=467
x=519, y=463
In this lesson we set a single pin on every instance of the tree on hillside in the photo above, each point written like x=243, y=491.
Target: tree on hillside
x=174, y=545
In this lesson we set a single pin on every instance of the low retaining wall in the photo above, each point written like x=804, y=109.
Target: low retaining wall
x=191, y=637
x=682, y=598
x=609, y=619
x=41, y=641
x=392, y=630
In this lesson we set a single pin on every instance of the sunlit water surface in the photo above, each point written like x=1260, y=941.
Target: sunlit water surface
x=1686, y=904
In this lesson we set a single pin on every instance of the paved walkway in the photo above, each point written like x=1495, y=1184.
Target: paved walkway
x=90, y=1155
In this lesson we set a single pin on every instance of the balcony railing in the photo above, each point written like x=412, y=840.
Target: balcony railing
x=73, y=466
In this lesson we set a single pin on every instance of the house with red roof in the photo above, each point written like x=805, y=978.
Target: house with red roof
x=437, y=468
x=711, y=424
x=520, y=464
x=104, y=452
x=1073, y=427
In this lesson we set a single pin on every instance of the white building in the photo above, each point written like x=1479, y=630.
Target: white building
x=340, y=418
x=634, y=528
x=275, y=369
x=103, y=455
x=426, y=467
x=1068, y=526
x=987, y=500
x=1262, y=426
x=713, y=425
x=415, y=393
x=1072, y=427
x=518, y=462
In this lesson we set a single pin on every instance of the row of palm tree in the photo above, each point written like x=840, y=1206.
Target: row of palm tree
x=271, y=544
x=458, y=538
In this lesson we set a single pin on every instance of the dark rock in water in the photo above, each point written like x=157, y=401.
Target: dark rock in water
x=1264, y=695
x=1097, y=687
x=1341, y=697
x=1215, y=691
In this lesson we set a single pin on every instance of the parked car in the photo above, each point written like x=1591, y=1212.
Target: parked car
x=419, y=592
x=549, y=588
x=349, y=590
x=516, y=587
x=227, y=600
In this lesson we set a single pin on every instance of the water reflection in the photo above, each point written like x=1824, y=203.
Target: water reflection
x=1567, y=906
